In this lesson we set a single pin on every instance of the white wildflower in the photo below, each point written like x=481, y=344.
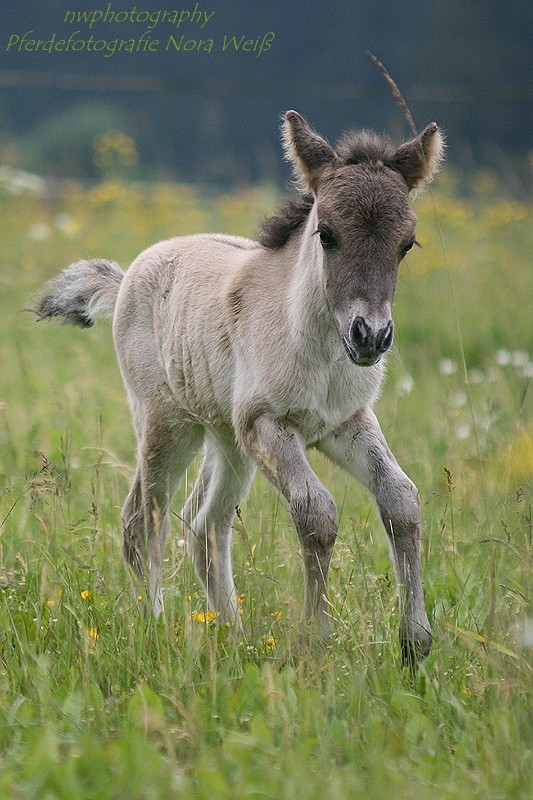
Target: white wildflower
x=459, y=399
x=503, y=358
x=17, y=181
x=39, y=232
x=66, y=224
x=476, y=376
x=462, y=431
x=447, y=366
x=520, y=358
x=405, y=385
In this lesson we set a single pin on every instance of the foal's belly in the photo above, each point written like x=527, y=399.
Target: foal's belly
x=202, y=387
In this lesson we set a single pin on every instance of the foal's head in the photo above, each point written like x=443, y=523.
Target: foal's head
x=365, y=222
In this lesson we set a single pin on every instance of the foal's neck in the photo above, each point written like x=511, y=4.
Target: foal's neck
x=308, y=311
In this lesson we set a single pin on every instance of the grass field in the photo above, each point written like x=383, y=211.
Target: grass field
x=96, y=702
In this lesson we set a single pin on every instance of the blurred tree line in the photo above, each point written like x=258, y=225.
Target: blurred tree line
x=214, y=116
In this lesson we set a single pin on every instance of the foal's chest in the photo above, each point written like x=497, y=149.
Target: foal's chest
x=324, y=401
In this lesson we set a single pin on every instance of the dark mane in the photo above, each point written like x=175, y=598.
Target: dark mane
x=355, y=147
x=364, y=147
x=277, y=229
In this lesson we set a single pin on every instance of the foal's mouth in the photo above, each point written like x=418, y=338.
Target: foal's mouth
x=360, y=359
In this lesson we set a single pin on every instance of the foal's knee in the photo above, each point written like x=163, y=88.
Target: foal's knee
x=399, y=504
x=315, y=517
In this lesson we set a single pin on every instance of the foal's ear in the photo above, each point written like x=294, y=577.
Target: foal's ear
x=308, y=152
x=418, y=160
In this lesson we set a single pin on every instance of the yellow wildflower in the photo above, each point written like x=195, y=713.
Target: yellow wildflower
x=206, y=616
x=85, y=594
x=92, y=634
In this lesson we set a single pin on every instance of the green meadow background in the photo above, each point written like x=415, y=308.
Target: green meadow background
x=98, y=702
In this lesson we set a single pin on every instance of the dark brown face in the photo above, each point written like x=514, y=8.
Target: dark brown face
x=366, y=226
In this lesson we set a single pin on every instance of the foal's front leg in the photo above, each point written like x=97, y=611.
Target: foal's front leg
x=280, y=454
x=360, y=447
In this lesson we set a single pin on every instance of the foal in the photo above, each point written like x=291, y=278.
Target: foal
x=259, y=349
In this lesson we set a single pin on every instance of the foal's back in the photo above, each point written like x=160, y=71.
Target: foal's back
x=172, y=327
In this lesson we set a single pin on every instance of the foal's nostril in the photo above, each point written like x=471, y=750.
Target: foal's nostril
x=362, y=335
x=366, y=343
x=385, y=337
x=360, y=332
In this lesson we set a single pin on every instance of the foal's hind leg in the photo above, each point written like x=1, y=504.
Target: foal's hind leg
x=165, y=447
x=224, y=479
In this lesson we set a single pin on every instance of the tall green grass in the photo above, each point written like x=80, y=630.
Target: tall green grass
x=98, y=702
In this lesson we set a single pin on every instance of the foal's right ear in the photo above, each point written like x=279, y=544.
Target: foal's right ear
x=308, y=152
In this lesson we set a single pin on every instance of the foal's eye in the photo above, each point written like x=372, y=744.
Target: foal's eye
x=409, y=246
x=327, y=239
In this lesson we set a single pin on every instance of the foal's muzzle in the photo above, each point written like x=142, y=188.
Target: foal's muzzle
x=366, y=343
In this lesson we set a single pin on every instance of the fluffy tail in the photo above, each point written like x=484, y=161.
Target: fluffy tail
x=81, y=293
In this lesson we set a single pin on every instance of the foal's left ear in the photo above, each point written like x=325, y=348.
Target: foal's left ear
x=418, y=160
x=308, y=152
